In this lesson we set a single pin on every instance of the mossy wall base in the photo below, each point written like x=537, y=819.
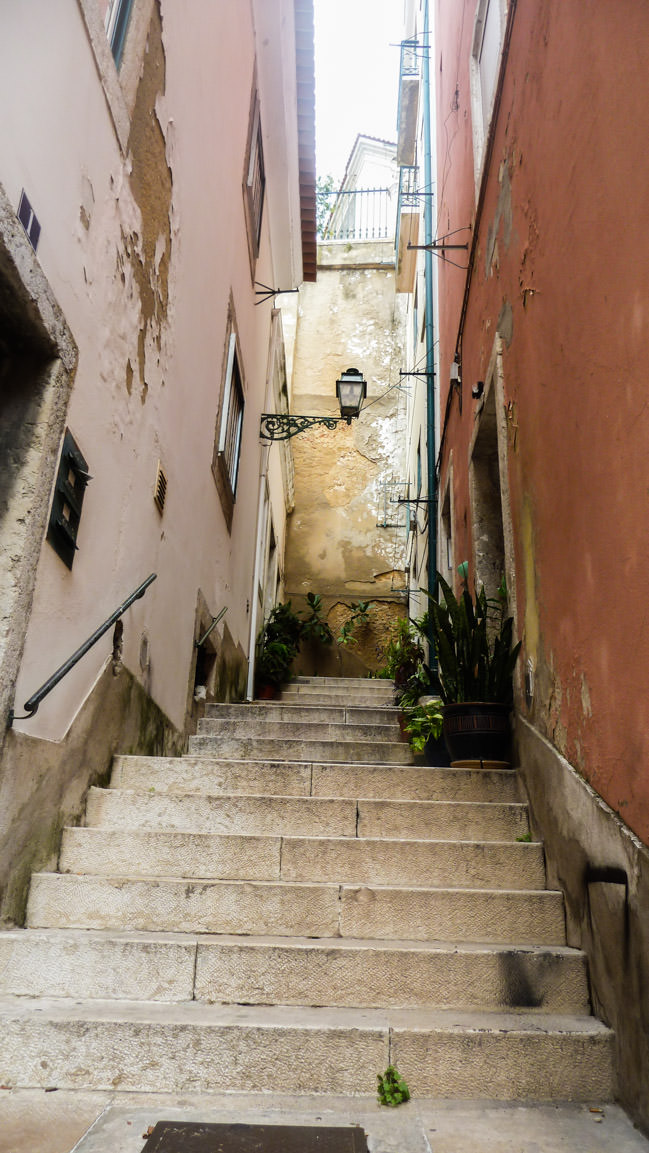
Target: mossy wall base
x=603, y=870
x=43, y=784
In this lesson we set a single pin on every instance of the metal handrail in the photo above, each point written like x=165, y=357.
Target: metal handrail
x=31, y=706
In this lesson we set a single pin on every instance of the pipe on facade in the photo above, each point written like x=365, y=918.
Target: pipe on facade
x=254, y=598
x=430, y=343
x=486, y=167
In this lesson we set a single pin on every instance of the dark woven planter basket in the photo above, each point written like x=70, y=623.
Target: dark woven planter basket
x=477, y=731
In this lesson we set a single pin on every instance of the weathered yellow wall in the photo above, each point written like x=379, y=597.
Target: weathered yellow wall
x=350, y=318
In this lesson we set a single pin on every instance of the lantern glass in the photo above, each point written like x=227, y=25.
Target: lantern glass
x=351, y=390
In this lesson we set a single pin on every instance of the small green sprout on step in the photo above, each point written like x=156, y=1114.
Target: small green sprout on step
x=526, y=838
x=392, y=1089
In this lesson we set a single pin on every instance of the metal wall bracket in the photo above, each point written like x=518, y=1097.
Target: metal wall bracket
x=282, y=426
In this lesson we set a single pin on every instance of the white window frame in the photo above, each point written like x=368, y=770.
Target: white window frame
x=228, y=436
x=229, y=444
x=482, y=101
x=116, y=9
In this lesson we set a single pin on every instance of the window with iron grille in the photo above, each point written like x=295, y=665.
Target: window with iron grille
x=255, y=181
x=227, y=447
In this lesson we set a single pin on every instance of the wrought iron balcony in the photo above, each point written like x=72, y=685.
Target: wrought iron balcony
x=362, y=214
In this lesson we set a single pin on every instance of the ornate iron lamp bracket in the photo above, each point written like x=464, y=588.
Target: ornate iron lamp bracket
x=282, y=426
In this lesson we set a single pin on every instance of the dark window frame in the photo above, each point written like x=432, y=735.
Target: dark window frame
x=228, y=438
x=67, y=501
x=254, y=182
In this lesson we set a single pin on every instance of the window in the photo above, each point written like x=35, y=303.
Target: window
x=254, y=184
x=28, y=220
x=69, y=491
x=227, y=445
x=485, y=61
x=117, y=18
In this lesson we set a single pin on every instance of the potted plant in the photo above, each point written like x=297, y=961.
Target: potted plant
x=423, y=725
x=403, y=654
x=473, y=640
x=277, y=647
x=272, y=668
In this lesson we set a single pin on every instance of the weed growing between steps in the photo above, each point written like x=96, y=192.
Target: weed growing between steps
x=392, y=1089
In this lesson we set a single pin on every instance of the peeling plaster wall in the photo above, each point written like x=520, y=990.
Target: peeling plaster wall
x=567, y=294
x=350, y=318
x=44, y=783
x=138, y=189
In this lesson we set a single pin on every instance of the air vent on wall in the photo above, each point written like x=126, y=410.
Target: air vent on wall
x=160, y=490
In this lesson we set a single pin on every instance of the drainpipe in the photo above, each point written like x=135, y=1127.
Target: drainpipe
x=429, y=304
x=254, y=599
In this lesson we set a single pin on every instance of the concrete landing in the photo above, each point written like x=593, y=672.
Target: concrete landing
x=32, y=1121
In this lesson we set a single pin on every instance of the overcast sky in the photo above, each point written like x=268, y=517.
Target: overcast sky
x=357, y=75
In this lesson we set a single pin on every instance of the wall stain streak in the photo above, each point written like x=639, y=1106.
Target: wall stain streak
x=151, y=184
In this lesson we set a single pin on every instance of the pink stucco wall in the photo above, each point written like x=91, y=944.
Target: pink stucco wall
x=149, y=374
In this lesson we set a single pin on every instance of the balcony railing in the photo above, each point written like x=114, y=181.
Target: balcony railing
x=362, y=214
x=408, y=199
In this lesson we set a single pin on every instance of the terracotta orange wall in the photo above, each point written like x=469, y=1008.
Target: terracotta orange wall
x=567, y=203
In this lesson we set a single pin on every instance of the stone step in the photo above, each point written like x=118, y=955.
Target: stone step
x=306, y=816
x=279, y=749
x=497, y=916
x=321, y=714
x=333, y=697
x=201, y=813
x=377, y=685
x=414, y=782
x=215, y=776
x=190, y=774
x=302, y=730
x=149, y=1047
x=160, y=853
x=269, y=970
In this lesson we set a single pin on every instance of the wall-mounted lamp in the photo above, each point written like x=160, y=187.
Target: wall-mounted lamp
x=351, y=390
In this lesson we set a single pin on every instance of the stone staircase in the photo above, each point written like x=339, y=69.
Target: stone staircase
x=292, y=906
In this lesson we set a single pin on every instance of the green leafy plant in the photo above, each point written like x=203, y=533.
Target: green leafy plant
x=473, y=638
x=284, y=625
x=360, y=615
x=325, y=196
x=278, y=645
x=403, y=653
x=274, y=662
x=392, y=1089
x=423, y=724
x=422, y=683
x=314, y=627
